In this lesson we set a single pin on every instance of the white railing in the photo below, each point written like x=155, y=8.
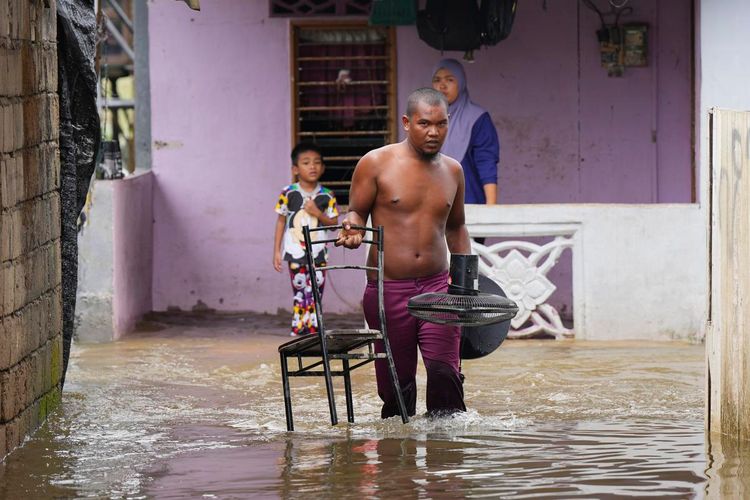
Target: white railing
x=638, y=271
x=521, y=268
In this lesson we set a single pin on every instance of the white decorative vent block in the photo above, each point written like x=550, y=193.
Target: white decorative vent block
x=521, y=268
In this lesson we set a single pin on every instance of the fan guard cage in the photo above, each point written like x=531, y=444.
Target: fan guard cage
x=462, y=310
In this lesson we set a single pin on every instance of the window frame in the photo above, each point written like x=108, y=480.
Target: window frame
x=333, y=24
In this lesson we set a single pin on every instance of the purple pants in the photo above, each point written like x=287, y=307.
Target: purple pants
x=439, y=345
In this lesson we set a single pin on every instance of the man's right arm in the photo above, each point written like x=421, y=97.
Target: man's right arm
x=362, y=195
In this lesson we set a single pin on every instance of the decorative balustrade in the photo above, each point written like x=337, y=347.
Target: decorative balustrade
x=637, y=271
x=521, y=268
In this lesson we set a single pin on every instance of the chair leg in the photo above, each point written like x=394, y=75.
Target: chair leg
x=348, y=391
x=321, y=327
x=287, y=394
x=329, y=390
x=394, y=382
x=386, y=344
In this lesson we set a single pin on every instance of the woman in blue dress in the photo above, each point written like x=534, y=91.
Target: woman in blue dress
x=472, y=137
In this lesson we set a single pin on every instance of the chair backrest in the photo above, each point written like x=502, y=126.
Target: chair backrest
x=375, y=238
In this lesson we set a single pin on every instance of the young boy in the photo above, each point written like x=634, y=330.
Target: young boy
x=304, y=203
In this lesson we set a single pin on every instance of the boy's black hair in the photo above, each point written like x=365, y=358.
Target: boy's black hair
x=304, y=147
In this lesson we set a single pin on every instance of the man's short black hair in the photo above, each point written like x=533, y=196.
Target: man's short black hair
x=427, y=95
x=304, y=147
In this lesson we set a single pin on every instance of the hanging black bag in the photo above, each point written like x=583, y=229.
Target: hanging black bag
x=497, y=20
x=450, y=25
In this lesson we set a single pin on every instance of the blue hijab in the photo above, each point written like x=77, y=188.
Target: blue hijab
x=462, y=113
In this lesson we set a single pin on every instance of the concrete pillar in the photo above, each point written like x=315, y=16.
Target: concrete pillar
x=142, y=87
x=724, y=151
x=115, y=259
x=728, y=316
x=94, y=310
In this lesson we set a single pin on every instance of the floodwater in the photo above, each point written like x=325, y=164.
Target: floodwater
x=197, y=412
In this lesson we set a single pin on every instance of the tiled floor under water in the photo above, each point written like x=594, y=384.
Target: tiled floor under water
x=196, y=411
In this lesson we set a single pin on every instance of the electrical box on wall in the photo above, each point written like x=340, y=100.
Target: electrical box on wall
x=609, y=49
x=623, y=46
x=635, y=45
x=620, y=45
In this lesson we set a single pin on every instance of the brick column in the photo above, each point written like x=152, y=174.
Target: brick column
x=30, y=280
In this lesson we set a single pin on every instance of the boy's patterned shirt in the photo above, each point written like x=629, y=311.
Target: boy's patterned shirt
x=290, y=203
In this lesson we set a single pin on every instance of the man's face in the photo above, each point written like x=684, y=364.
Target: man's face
x=427, y=128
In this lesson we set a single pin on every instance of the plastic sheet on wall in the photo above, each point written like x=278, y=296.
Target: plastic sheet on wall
x=79, y=138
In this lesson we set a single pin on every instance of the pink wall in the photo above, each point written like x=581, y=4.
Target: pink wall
x=132, y=201
x=220, y=102
x=221, y=128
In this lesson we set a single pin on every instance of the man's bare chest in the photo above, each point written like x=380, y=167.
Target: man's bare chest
x=410, y=191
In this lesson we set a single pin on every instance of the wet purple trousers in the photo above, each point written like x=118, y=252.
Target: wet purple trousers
x=439, y=345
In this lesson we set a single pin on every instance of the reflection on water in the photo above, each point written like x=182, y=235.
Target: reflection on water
x=728, y=468
x=196, y=412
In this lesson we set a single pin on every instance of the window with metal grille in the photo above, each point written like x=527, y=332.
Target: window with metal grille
x=343, y=94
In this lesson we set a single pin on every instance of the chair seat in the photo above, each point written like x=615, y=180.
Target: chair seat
x=338, y=341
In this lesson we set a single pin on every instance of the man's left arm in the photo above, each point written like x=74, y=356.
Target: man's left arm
x=456, y=234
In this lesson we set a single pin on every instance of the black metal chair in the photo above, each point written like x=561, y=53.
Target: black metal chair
x=313, y=352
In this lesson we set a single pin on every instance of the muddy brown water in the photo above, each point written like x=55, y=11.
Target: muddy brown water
x=197, y=412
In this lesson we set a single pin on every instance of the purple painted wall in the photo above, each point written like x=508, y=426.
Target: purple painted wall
x=220, y=126
x=221, y=130
x=132, y=201
x=586, y=139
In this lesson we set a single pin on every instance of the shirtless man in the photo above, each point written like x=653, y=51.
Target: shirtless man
x=417, y=195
